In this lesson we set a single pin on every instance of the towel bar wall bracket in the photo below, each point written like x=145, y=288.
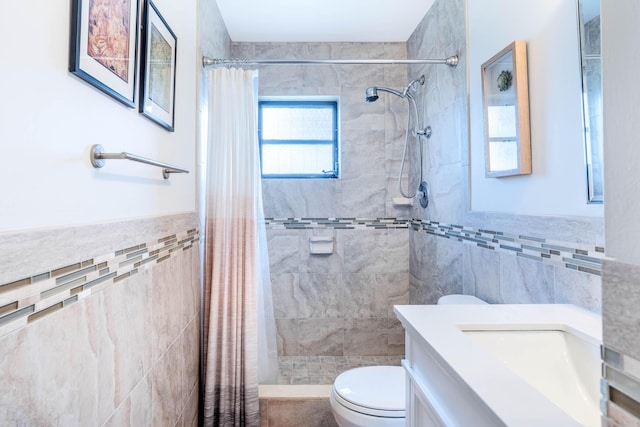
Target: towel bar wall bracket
x=98, y=157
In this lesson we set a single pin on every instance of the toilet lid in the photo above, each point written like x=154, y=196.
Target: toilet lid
x=375, y=387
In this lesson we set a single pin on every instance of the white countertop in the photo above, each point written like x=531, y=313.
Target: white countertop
x=440, y=327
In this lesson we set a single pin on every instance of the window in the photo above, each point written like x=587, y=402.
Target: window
x=298, y=139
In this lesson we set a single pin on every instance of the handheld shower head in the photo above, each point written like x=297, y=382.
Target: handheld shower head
x=371, y=95
x=420, y=80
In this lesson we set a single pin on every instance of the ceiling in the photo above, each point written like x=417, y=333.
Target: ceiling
x=322, y=20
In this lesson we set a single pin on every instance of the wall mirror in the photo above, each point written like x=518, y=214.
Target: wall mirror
x=589, y=37
x=505, y=90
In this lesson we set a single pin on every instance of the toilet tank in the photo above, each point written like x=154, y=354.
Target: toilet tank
x=460, y=300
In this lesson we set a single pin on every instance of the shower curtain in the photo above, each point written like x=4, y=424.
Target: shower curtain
x=239, y=329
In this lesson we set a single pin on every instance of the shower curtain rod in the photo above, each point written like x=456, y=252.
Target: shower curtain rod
x=219, y=62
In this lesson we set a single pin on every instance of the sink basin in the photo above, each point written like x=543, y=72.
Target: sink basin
x=559, y=364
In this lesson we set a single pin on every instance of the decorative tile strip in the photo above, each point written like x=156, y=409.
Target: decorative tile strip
x=621, y=383
x=337, y=223
x=569, y=255
x=32, y=298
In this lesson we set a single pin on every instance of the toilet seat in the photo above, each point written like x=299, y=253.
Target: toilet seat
x=372, y=390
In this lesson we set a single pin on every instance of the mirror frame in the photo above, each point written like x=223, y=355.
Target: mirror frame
x=512, y=90
x=587, y=134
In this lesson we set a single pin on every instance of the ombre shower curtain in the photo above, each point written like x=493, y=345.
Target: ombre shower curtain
x=239, y=327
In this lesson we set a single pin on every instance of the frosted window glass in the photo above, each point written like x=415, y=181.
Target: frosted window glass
x=298, y=139
x=297, y=123
x=503, y=155
x=502, y=121
x=296, y=159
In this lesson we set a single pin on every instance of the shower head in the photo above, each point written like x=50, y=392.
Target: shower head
x=371, y=94
x=410, y=85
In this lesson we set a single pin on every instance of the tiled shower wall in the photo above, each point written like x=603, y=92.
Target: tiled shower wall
x=99, y=324
x=335, y=312
x=508, y=269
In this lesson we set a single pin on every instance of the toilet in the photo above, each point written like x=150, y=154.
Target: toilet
x=374, y=396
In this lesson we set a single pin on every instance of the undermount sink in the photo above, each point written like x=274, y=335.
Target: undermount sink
x=559, y=364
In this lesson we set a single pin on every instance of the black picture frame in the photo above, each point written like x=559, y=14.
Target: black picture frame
x=103, y=46
x=157, y=68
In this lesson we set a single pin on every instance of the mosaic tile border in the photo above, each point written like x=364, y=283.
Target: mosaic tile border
x=620, y=384
x=574, y=257
x=337, y=223
x=26, y=300
x=587, y=259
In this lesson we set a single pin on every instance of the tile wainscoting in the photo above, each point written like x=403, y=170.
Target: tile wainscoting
x=99, y=324
x=621, y=350
x=334, y=312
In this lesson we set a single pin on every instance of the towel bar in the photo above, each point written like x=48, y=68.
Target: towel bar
x=98, y=157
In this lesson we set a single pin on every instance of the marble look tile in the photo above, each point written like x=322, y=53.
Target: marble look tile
x=356, y=114
x=44, y=380
x=393, y=289
x=124, y=340
x=360, y=77
x=422, y=260
x=284, y=288
x=321, y=337
x=191, y=410
x=243, y=50
x=166, y=387
x=392, y=191
x=621, y=319
x=395, y=344
x=582, y=230
x=421, y=292
x=447, y=191
x=321, y=263
x=190, y=353
x=323, y=76
x=189, y=285
x=320, y=296
x=363, y=298
x=482, y=274
x=284, y=251
x=379, y=251
x=213, y=36
x=362, y=150
x=449, y=266
x=287, y=337
x=166, y=300
x=397, y=111
x=288, y=413
x=363, y=195
x=300, y=198
x=136, y=409
x=366, y=337
x=28, y=253
x=576, y=287
x=394, y=149
x=524, y=281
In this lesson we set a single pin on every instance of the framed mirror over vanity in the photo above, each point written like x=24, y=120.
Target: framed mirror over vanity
x=591, y=71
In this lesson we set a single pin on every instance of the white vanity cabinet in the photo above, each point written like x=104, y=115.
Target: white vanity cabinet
x=456, y=377
x=435, y=394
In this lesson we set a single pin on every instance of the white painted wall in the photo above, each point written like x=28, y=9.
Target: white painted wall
x=49, y=119
x=621, y=94
x=558, y=183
